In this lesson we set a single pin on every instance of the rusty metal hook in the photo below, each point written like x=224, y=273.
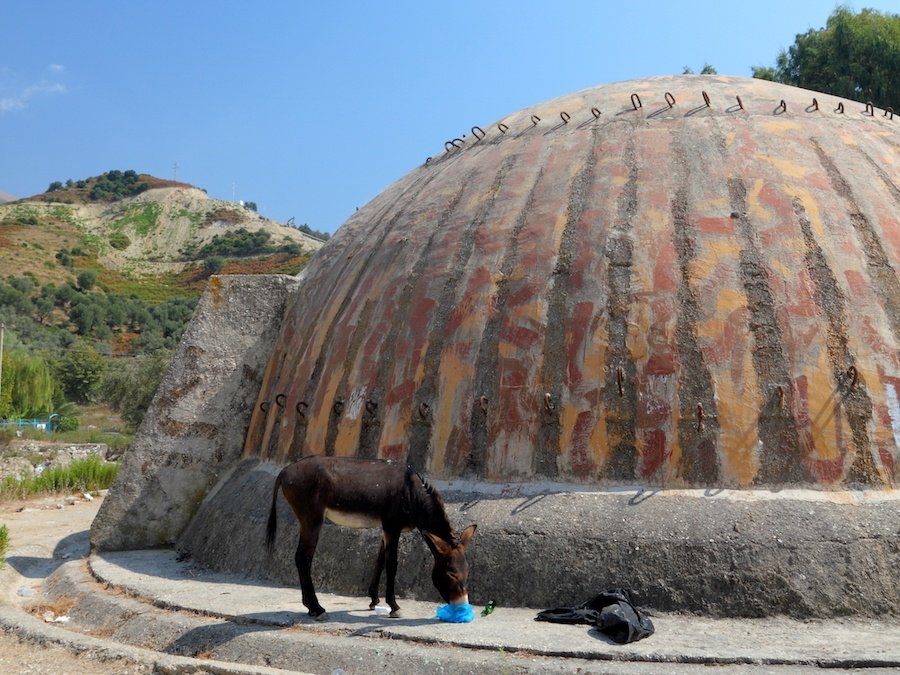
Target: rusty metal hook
x=371, y=406
x=534, y=120
x=548, y=401
x=484, y=403
x=740, y=102
x=889, y=113
x=424, y=410
x=779, y=391
x=635, y=97
x=596, y=113
x=503, y=128
x=620, y=379
x=815, y=104
x=870, y=108
x=476, y=130
x=670, y=99
x=782, y=105
x=840, y=109
x=705, y=98
x=301, y=404
x=565, y=117
x=853, y=374
x=338, y=406
x=700, y=417
x=264, y=406
x=279, y=401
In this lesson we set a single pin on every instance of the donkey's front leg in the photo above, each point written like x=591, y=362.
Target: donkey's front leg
x=391, y=542
x=376, y=577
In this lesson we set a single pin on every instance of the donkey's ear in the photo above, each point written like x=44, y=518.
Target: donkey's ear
x=467, y=535
x=437, y=545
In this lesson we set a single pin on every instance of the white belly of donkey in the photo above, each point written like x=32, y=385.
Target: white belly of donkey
x=350, y=519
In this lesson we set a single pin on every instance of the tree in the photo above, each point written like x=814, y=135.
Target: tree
x=28, y=386
x=854, y=56
x=80, y=371
x=87, y=279
x=214, y=264
x=130, y=387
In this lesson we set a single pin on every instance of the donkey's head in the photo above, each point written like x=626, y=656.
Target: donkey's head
x=451, y=570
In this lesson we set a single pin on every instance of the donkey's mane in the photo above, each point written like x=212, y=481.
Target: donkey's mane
x=428, y=507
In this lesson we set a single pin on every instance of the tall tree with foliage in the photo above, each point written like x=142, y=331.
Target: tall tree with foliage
x=856, y=56
x=80, y=372
x=28, y=386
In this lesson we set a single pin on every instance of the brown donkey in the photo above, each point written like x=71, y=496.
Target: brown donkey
x=370, y=493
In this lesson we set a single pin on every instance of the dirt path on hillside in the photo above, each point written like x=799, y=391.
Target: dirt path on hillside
x=44, y=533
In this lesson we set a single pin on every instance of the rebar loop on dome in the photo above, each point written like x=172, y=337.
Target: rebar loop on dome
x=853, y=376
x=669, y=99
x=620, y=380
x=596, y=113
x=476, y=130
x=279, y=400
x=503, y=128
x=870, y=109
x=264, y=406
x=813, y=106
x=565, y=117
x=301, y=414
x=638, y=104
x=840, y=108
x=700, y=417
x=483, y=402
x=740, y=102
x=889, y=113
x=453, y=143
x=548, y=402
x=780, y=108
x=705, y=98
x=779, y=392
x=534, y=120
x=338, y=406
x=424, y=409
x=371, y=406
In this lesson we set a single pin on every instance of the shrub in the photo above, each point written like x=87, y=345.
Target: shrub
x=4, y=544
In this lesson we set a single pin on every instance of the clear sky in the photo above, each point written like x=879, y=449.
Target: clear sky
x=310, y=109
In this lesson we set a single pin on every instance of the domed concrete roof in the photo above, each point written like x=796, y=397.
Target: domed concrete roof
x=678, y=281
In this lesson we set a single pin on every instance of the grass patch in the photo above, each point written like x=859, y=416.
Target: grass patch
x=143, y=218
x=4, y=545
x=82, y=475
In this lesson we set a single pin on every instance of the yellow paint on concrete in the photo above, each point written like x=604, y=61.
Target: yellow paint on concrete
x=568, y=416
x=848, y=139
x=779, y=125
x=827, y=440
x=811, y=207
x=762, y=214
x=784, y=167
x=713, y=253
x=738, y=416
x=454, y=376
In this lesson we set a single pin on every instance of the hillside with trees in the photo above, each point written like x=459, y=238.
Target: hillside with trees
x=102, y=276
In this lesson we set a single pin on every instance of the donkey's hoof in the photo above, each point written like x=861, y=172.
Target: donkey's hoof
x=321, y=617
x=395, y=614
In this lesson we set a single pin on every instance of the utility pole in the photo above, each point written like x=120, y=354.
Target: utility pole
x=2, y=331
x=175, y=172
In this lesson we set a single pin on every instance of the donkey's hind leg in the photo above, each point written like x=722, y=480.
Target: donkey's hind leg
x=306, y=549
x=376, y=576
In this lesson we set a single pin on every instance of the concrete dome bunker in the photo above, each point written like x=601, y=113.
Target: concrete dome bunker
x=587, y=316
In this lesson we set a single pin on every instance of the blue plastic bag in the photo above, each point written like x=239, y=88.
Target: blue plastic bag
x=456, y=613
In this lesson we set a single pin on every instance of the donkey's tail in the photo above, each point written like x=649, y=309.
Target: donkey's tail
x=273, y=517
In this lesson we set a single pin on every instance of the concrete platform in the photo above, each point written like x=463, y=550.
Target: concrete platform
x=149, y=607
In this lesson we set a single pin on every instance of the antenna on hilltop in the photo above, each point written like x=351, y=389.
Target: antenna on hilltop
x=175, y=171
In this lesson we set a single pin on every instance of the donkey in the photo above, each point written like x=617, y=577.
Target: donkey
x=370, y=493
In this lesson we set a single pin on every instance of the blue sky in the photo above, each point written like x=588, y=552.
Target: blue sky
x=310, y=109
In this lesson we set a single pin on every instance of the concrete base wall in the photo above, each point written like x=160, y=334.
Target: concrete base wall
x=801, y=553
x=194, y=430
